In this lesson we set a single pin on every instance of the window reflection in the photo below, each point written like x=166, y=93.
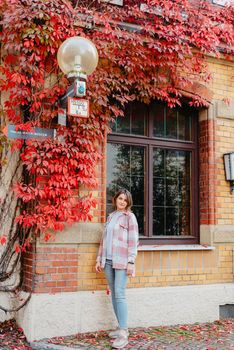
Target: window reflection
x=171, y=192
x=126, y=169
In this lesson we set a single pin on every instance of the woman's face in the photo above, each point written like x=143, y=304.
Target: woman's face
x=121, y=202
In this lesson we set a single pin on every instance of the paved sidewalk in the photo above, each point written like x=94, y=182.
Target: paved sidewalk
x=218, y=335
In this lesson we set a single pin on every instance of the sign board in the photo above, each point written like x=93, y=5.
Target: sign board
x=36, y=133
x=78, y=107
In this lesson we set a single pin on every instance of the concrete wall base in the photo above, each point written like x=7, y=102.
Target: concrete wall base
x=49, y=315
x=7, y=303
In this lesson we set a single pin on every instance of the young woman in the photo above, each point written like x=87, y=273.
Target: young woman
x=116, y=255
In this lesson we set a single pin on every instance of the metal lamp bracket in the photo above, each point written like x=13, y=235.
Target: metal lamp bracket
x=231, y=187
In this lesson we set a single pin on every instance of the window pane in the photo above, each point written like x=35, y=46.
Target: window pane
x=138, y=118
x=172, y=222
x=158, y=221
x=171, y=192
x=184, y=126
x=158, y=194
x=170, y=123
x=126, y=169
x=158, y=162
x=134, y=121
x=159, y=118
x=121, y=124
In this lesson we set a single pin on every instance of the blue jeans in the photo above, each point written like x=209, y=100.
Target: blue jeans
x=117, y=280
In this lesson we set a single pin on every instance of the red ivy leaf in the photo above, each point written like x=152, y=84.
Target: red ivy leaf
x=17, y=248
x=3, y=240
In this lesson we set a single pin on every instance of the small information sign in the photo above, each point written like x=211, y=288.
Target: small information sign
x=36, y=133
x=78, y=107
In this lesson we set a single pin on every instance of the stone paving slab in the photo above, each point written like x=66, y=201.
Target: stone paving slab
x=218, y=335
x=46, y=346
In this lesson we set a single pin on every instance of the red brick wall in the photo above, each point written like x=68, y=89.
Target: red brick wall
x=207, y=172
x=55, y=270
x=28, y=268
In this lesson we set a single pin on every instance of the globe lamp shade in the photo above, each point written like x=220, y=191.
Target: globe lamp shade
x=77, y=52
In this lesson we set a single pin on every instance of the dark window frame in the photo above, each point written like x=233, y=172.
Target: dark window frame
x=149, y=142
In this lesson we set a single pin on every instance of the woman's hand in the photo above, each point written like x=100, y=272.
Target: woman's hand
x=130, y=269
x=98, y=267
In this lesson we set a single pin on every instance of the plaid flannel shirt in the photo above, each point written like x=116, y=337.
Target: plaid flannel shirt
x=125, y=241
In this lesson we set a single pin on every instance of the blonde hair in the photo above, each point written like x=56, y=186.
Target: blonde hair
x=127, y=194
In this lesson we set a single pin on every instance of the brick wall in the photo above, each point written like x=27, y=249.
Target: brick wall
x=207, y=172
x=163, y=268
x=28, y=270
x=225, y=201
x=55, y=270
x=222, y=78
x=63, y=269
x=223, y=86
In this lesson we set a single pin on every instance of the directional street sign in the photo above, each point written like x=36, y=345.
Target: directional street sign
x=36, y=133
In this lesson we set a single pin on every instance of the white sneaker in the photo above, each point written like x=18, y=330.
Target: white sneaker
x=114, y=334
x=122, y=339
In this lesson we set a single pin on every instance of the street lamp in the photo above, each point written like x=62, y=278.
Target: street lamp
x=77, y=57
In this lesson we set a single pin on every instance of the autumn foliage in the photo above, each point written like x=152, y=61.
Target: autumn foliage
x=158, y=57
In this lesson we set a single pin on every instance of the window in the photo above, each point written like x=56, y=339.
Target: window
x=152, y=152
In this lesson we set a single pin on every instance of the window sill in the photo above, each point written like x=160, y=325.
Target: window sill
x=175, y=247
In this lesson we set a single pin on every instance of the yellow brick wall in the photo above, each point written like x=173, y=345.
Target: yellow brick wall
x=225, y=144
x=222, y=85
x=163, y=268
x=222, y=74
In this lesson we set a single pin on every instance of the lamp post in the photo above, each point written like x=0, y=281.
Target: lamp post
x=77, y=58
